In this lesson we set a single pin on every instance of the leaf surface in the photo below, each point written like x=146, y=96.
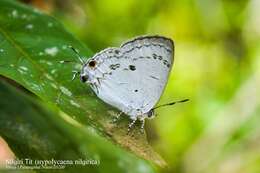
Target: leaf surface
x=41, y=133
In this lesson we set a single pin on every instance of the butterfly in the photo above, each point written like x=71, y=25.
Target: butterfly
x=131, y=77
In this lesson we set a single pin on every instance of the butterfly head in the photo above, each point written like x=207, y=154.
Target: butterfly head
x=87, y=74
x=88, y=68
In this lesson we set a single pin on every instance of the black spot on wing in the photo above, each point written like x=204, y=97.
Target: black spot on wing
x=117, y=51
x=114, y=66
x=132, y=67
x=154, y=77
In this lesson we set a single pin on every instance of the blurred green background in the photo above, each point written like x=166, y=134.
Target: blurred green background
x=217, y=66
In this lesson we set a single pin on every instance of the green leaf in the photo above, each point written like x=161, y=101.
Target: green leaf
x=39, y=132
x=31, y=46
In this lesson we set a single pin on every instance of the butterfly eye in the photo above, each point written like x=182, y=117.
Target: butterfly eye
x=92, y=64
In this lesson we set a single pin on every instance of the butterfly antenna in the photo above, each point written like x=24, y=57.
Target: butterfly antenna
x=77, y=53
x=172, y=103
x=67, y=61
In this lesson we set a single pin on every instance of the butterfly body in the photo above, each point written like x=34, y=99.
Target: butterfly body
x=133, y=76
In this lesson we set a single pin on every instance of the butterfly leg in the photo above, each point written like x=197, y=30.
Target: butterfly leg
x=131, y=125
x=94, y=87
x=142, y=126
x=75, y=74
x=117, y=117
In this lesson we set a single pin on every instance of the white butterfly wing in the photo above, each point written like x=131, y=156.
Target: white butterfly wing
x=134, y=75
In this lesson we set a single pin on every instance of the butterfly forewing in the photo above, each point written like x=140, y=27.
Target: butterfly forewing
x=135, y=75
